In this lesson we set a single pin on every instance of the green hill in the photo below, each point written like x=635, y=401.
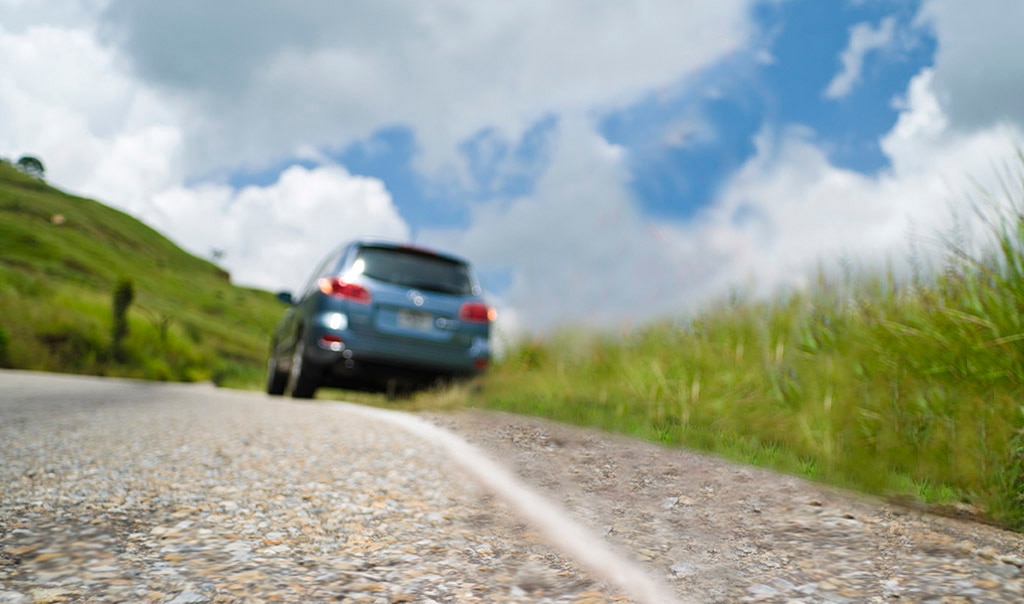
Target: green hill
x=61, y=257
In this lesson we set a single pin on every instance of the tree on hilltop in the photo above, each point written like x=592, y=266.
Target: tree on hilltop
x=32, y=166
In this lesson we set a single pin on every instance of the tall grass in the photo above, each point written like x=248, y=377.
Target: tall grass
x=871, y=382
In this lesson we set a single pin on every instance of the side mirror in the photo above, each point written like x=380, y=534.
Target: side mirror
x=285, y=298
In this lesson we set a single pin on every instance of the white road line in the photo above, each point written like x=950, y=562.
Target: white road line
x=550, y=519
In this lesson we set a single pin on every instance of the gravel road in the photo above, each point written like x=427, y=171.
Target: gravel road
x=117, y=491
x=121, y=491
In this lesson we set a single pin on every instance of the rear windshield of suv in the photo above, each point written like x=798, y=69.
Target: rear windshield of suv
x=410, y=268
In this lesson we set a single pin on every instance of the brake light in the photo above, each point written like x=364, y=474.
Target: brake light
x=346, y=291
x=477, y=312
x=332, y=342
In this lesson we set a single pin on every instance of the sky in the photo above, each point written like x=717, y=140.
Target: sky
x=604, y=162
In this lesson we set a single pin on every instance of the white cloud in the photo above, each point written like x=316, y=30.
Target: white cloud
x=805, y=212
x=579, y=248
x=979, y=78
x=97, y=131
x=19, y=15
x=863, y=39
x=686, y=132
x=266, y=80
x=272, y=236
x=763, y=57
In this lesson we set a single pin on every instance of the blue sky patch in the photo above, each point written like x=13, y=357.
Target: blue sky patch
x=390, y=155
x=682, y=149
x=810, y=37
x=500, y=169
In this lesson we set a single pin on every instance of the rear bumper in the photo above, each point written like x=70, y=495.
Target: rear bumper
x=347, y=352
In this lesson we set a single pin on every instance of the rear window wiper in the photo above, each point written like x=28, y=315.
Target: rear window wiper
x=435, y=287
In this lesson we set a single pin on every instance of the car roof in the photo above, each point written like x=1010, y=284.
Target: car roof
x=381, y=243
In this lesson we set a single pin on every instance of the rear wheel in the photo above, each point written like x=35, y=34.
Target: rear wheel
x=276, y=379
x=302, y=379
x=396, y=389
x=391, y=389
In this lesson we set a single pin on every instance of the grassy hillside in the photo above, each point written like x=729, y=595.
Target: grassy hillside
x=57, y=278
x=908, y=390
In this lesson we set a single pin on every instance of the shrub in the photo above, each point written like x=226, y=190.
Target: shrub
x=72, y=347
x=4, y=339
x=124, y=293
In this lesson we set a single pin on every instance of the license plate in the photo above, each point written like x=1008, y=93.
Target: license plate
x=411, y=319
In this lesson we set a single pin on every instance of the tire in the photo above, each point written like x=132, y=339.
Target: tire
x=276, y=380
x=391, y=390
x=397, y=390
x=303, y=376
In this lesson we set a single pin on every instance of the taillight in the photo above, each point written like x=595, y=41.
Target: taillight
x=477, y=312
x=346, y=291
x=331, y=342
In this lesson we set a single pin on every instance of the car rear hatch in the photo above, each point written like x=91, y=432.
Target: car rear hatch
x=417, y=298
x=417, y=314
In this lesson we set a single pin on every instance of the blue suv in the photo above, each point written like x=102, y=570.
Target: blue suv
x=381, y=316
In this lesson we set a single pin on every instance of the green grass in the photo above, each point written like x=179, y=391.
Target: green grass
x=187, y=322
x=909, y=390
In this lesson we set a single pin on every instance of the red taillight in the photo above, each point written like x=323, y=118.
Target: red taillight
x=347, y=291
x=476, y=312
x=332, y=342
x=481, y=363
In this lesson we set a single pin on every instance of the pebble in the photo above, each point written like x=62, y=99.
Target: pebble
x=14, y=597
x=189, y=597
